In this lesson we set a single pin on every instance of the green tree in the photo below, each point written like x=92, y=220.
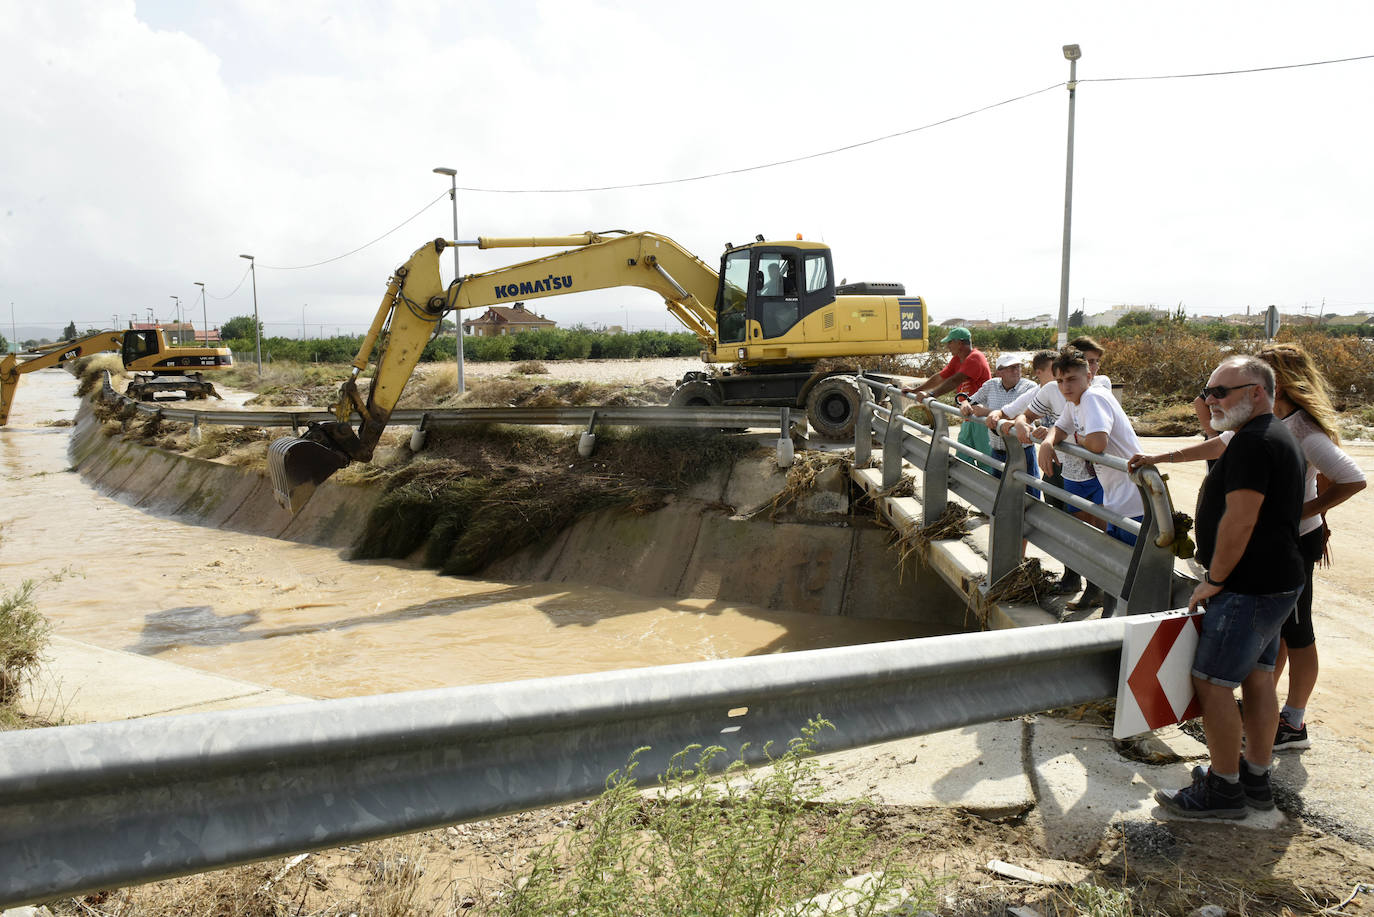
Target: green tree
x=69, y=332
x=1077, y=319
x=240, y=326
x=4, y=344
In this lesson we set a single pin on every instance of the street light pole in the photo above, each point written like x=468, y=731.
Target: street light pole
x=257, y=325
x=1072, y=53
x=204, y=315
x=176, y=317
x=457, y=315
x=303, y=332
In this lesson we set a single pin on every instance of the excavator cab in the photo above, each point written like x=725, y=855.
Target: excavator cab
x=766, y=289
x=140, y=344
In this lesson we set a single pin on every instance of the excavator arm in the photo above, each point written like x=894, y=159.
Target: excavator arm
x=416, y=300
x=50, y=355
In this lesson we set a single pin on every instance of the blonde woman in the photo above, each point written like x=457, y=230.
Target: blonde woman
x=1302, y=399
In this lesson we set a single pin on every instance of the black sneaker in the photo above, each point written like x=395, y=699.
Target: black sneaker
x=1258, y=793
x=1207, y=797
x=1289, y=737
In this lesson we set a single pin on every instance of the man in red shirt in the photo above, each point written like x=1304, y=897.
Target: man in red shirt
x=965, y=372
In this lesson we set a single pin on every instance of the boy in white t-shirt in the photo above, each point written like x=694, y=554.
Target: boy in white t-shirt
x=1097, y=423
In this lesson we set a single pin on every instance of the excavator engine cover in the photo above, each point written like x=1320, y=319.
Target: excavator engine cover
x=297, y=466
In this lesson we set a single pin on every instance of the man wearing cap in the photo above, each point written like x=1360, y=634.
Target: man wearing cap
x=994, y=395
x=966, y=372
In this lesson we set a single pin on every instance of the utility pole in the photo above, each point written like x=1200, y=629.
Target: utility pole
x=204, y=316
x=457, y=314
x=1072, y=53
x=257, y=325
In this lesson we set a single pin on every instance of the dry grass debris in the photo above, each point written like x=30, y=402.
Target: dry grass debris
x=802, y=477
x=1027, y=584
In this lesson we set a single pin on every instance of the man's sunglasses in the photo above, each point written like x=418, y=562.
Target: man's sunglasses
x=1221, y=391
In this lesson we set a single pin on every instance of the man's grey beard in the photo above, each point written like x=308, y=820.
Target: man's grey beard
x=1234, y=418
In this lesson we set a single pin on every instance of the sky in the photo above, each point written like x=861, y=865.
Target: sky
x=148, y=145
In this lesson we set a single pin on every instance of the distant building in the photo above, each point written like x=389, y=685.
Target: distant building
x=208, y=337
x=1117, y=313
x=499, y=320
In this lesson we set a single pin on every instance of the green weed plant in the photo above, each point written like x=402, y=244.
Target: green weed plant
x=713, y=844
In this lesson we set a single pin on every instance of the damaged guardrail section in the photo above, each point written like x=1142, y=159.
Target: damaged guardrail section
x=104, y=805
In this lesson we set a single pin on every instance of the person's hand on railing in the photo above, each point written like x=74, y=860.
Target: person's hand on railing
x=1138, y=461
x=916, y=393
x=1046, y=453
x=1023, y=431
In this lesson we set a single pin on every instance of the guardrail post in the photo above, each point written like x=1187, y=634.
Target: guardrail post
x=786, y=451
x=935, y=486
x=418, y=437
x=863, y=429
x=1008, y=512
x=587, y=442
x=196, y=432
x=1150, y=577
x=892, y=449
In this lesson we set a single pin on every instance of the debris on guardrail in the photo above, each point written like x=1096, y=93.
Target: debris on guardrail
x=1026, y=584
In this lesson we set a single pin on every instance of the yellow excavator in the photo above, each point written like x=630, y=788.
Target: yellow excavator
x=156, y=365
x=773, y=310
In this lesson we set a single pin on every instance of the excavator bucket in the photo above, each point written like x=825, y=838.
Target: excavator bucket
x=297, y=466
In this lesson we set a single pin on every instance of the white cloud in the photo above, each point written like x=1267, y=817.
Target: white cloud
x=151, y=144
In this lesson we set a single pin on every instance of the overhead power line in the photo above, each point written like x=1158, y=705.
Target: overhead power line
x=795, y=159
x=1189, y=76
x=299, y=267
x=765, y=165
x=235, y=289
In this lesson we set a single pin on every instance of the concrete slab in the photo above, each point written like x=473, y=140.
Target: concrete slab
x=1084, y=786
x=84, y=683
x=754, y=483
x=978, y=768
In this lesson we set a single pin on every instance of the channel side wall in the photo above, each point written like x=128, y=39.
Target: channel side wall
x=715, y=542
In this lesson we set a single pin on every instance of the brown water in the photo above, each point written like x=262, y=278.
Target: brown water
x=303, y=619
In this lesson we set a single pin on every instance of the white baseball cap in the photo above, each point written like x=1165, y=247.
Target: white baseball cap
x=1008, y=359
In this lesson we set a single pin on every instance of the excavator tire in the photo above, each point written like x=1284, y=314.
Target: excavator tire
x=696, y=393
x=832, y=407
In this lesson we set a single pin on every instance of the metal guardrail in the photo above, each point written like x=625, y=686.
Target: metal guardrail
x=103, y=805
x=1142, y=576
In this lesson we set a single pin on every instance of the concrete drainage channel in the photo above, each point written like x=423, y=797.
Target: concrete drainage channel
x=690, y=548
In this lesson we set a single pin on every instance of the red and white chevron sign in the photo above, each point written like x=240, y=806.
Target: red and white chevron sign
x=1156, y=684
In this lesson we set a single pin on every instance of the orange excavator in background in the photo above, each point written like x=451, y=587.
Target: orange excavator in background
x=156, y=365
x=773, y=310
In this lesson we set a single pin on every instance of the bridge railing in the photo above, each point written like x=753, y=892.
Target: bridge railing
x=1142, y=576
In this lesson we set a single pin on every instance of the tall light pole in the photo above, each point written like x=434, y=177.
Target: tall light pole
x=303, y=334
x=204, y=315
x=1072, y=53
x=457, y=315
x=176, y=319
x=257, y=325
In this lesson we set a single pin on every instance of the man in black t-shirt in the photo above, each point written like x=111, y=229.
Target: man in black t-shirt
x=1247, y=538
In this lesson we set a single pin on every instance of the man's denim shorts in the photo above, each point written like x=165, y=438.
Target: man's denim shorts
x=1240, y=633
x=1091, y=489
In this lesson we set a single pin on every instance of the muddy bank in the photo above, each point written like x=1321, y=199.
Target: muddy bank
x=714, y=541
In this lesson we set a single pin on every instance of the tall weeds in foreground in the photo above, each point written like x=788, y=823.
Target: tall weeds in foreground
x=712, y=845
x=23, y=637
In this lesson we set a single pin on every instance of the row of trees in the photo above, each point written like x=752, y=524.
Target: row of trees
x=576, y=343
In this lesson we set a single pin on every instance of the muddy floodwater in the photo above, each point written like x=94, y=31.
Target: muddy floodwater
x=305, y=619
